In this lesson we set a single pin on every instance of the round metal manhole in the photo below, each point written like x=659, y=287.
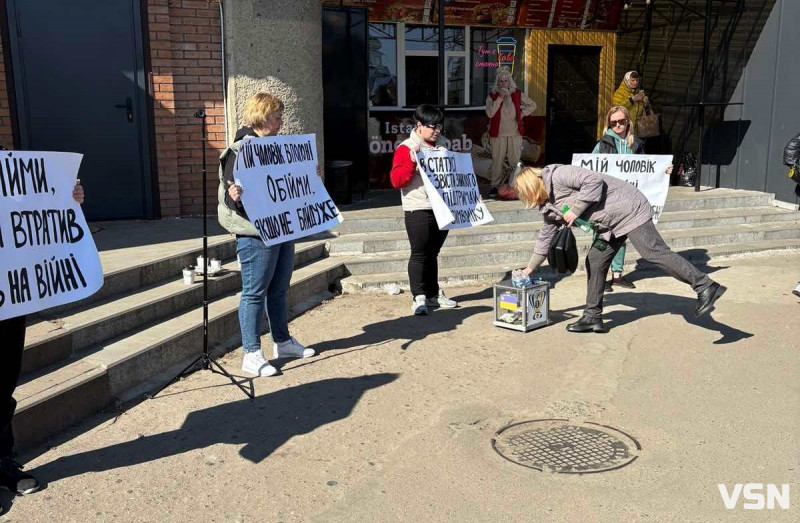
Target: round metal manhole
x=562, y=446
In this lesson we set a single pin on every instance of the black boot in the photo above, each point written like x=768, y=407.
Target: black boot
x=706, y=299
x=586, y=325
x=13, y=479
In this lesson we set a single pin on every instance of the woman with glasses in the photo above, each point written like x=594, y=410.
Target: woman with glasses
x=506, y=106
x=423, y=232
x=619, y=139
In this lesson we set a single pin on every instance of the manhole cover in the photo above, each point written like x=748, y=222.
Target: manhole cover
x=559, y=445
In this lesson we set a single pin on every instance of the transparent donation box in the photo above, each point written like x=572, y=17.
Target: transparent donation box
x=521, y=308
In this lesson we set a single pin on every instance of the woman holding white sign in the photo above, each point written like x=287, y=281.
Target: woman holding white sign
x=266, y=271
x=619, y=211
x=423, y=232
x=619, y=139
x=12, y=333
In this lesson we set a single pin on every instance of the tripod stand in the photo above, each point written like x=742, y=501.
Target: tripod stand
x=208, y=362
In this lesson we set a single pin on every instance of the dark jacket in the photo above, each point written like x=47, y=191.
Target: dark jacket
x=791, y=155
x=607, y=145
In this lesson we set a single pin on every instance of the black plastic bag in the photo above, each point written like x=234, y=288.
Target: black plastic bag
x=688, y=170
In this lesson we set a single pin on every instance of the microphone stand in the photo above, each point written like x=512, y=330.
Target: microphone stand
x=208, y=363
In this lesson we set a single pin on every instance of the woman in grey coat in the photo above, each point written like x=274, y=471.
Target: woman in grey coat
x=619, y=211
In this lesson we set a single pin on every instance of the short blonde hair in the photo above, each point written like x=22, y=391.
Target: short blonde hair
x=258, y=107
x=530, y=187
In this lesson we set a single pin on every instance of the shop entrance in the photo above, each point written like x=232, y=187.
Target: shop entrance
x=344, y=77
x=573, y=78
x=79, y=85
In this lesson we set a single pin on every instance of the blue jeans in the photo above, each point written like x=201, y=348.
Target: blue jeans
x=266, y=273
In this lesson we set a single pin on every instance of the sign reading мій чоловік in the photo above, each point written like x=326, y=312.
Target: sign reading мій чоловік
x=452, y=189
x=647, y=172
x=47, y=254
x=282, y=194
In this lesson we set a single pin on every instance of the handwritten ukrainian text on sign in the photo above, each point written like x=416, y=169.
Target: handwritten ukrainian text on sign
x=282, y=194
x=452, y=189
x=47, y=254
x=648, y=172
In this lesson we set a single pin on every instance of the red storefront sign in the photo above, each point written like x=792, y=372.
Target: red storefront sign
x=480, y=12
x=412, y=11
x=560, y=14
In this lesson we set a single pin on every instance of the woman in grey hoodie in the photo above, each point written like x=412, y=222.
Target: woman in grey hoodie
x=619, y=211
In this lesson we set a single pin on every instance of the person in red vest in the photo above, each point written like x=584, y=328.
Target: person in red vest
x=506, y=106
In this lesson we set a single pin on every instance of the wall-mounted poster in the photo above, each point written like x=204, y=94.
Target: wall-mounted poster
x=570, y=14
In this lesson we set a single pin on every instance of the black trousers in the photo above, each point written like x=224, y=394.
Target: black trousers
x=651, y=247
x=426, y=241
x=12, y=334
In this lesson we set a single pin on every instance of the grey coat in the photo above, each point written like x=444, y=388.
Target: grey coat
x=616, y=207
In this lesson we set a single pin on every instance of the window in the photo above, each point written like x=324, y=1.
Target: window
x=490, y=48
x=404, y=63
x=422, y=65
x=382, y=82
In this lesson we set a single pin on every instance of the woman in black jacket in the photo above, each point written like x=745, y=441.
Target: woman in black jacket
x=791, y=157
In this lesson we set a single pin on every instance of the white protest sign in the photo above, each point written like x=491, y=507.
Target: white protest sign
x=47, y=253
x=647, y=172
x=282, y=194
x=452, y=189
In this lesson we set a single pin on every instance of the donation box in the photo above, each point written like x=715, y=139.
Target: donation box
x=521, y=308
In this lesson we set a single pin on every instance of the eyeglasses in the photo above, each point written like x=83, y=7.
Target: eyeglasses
x=613, y=123
x=437, y=127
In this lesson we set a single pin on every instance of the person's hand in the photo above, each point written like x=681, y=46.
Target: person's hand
x=77, y=192
x=638, y=97
x=669, y=170
x=235, y=191
x=570, y=217
x=320, y=173
x=414, y=149
x=528, y=271
x=505, y=92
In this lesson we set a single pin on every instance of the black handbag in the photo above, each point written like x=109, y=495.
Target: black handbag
x=563, y=253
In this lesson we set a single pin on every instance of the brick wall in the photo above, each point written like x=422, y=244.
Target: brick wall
x=186, y=61
x=6, y=134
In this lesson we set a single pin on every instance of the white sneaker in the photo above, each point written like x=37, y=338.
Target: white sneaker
x=796, y=290
x=291, y=348
x=442, y=301
x=419, y=306
x=256, y=364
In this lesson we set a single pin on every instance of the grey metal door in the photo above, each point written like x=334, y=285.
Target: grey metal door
x=79, y=86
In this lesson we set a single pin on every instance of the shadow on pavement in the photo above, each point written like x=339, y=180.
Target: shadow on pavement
x=263, y=425
x=410, y=328
x=654, y=304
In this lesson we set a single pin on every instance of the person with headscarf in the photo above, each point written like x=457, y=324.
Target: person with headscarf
x=629, y=96
x=506, y=106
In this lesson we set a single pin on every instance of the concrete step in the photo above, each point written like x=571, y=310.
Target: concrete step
x=458, y=276
x=493, y=233
x=519, y=252
x=389, y=219
x=57, y=397
x=56, y=336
